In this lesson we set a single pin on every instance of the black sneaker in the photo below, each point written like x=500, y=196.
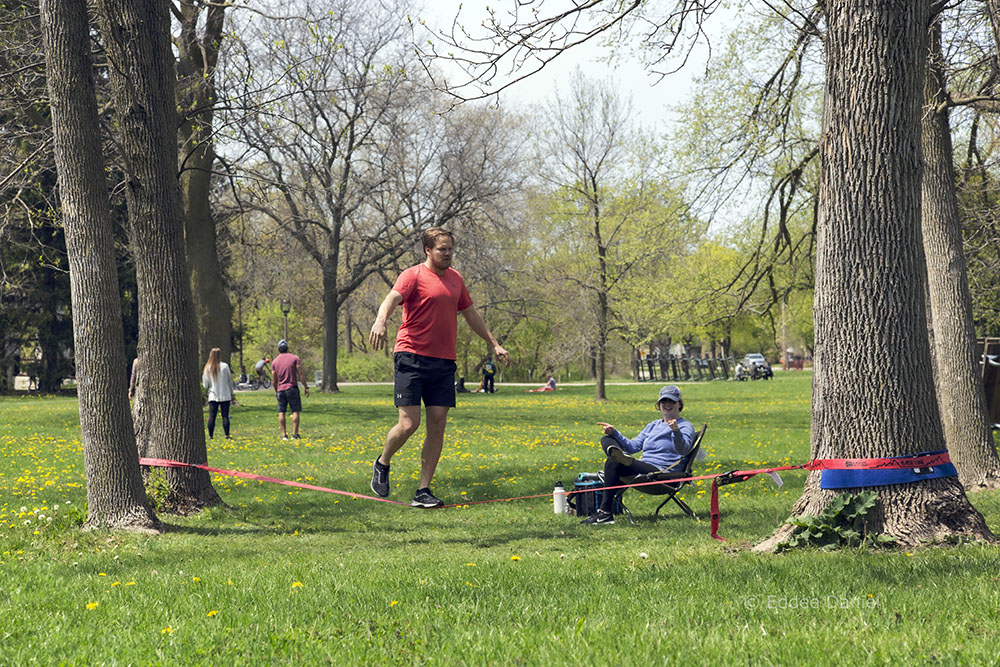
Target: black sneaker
x=296, y=437
x=618, y=455
x=380, y=479
x=601, y=517
x=424, y=498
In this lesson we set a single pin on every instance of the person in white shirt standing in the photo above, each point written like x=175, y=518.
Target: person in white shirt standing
x=219, y=380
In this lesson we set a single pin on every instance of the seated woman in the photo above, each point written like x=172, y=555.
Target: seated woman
x=550, y=385
x=663, y=443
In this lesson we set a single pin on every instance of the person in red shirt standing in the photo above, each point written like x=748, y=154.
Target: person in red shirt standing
x=431, y=294
x=286, y=370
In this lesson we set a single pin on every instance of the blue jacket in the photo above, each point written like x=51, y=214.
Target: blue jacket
x=659, y=444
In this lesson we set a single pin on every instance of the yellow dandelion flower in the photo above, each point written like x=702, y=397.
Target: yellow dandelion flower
x=296, y=584
x=394, y=603
x=515, y=558
x=169, y=630
x=213, y=612
x=92, y=605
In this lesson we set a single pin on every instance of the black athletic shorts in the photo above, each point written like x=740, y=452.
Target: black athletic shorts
x=289, y=398
x=429, y=378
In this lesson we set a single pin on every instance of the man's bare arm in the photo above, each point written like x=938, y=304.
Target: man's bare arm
x=478, y=325
x=377, y=336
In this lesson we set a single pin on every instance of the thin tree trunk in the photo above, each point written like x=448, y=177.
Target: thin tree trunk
x=602, y=349
x=960, y=392
x=348, y=326
x=873, y=393
x=136, y=36
x=331, y=316
x=601, y=393
x=115, y=497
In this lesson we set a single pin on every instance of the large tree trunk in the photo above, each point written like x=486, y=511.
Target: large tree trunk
x=873, y=394
x=115, y=497
x=211, y=303
x=960, y=392
x=197, y=60
x=136, y=36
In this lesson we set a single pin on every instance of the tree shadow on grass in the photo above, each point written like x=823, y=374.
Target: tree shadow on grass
x=251, y=530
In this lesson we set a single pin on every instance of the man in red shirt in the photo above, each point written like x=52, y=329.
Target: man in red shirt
x=286, y=370
x=424, y=356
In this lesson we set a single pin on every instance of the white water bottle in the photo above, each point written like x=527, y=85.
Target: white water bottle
x=559, y=499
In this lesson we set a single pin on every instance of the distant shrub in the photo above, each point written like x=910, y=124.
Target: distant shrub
x=360, y=367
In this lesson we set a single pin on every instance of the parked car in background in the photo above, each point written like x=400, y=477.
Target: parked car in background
x=757, y=366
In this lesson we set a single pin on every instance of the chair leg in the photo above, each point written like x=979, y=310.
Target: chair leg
x=684, y=507
x=628, y=513
x=656, y=514
x=625, y=509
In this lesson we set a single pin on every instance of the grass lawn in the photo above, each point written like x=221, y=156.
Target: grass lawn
x=289, y=575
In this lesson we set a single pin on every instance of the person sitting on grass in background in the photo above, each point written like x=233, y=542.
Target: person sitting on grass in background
x=550, y=385
x=663, y=443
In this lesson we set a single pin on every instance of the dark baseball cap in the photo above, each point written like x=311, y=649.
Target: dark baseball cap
x=670, y=393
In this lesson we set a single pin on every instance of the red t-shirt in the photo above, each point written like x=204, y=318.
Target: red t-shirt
x=284, y=369
x=431, y=304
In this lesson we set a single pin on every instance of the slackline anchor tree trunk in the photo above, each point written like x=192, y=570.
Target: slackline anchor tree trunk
x=873, y=390
x=960, y=392
x=115, y=496
x=141, y=63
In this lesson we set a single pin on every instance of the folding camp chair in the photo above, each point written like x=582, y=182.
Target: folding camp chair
x=679, y=470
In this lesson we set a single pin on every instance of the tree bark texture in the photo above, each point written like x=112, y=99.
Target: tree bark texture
x=136, y=36
x=600, y=391
x=873, y=391
x=331, y=314
x=197, y=59
x=115, y=495
x=961, y=396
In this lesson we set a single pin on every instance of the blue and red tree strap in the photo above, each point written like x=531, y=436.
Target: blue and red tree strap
x=939, y=461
